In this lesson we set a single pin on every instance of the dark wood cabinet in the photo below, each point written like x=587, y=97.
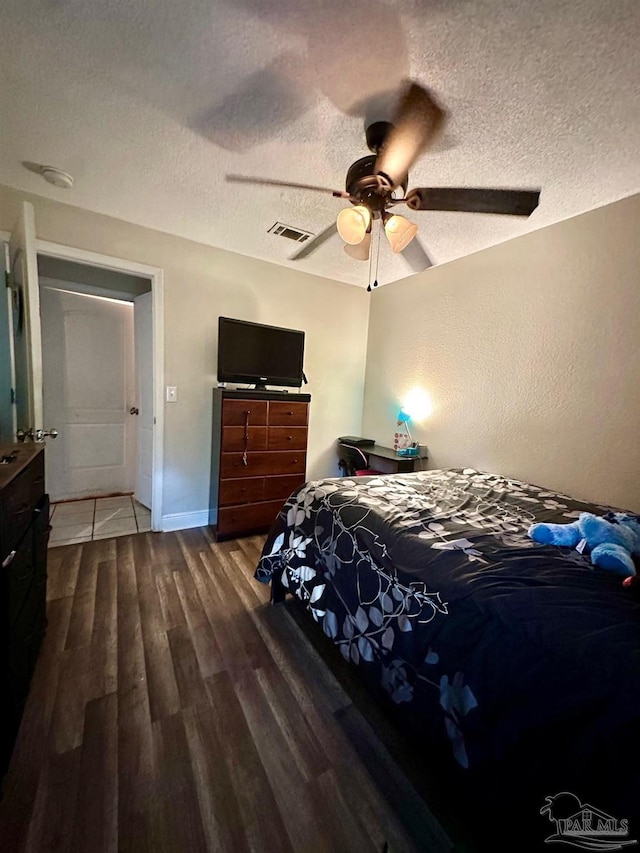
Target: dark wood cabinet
x=258, y=457
x=24, y=534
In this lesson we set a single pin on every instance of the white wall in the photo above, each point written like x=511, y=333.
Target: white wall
x=202, y=283
x=530, y=351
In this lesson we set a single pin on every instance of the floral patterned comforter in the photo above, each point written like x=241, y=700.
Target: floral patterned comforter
x=521, y=659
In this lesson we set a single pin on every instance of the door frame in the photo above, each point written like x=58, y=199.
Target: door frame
x=156, y=275
x=4, y=238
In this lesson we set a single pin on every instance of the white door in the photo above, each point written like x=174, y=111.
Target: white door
x=143, y=322
x=89, y=389
x=25, y=316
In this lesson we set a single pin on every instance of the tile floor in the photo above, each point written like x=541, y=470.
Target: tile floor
x=102, y=518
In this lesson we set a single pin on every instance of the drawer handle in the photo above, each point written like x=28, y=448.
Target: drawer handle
x=246, y=437
x=295, y=462
x=8, y=559
x=290, y=413
x=289, y=438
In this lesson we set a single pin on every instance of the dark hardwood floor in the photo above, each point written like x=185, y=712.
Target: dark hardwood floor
x=174, y=709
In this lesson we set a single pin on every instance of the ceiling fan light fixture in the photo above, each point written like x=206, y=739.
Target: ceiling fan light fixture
x=360, y=251
x=400, y=231
x=353, y=223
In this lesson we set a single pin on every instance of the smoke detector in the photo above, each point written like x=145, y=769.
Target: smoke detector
x=57, y=177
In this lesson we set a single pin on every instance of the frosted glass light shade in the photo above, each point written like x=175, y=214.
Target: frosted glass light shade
x=353, y=223
x=400, y=232
x=360, y=252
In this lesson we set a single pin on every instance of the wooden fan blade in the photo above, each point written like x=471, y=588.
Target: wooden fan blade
x=417, y=256
x=314, y=244
x=418, y=120
x=243, y=179
x=473, y=200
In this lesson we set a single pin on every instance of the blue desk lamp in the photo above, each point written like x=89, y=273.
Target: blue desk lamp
x=403, y=420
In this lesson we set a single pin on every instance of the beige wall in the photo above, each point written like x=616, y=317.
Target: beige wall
x=202, y=283
x=530, y=351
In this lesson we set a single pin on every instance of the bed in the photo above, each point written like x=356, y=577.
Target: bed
x=514, y=665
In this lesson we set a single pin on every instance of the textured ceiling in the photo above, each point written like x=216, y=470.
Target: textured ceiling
x=149, y=104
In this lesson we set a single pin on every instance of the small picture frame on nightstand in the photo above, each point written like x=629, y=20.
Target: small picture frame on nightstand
x=401, y=441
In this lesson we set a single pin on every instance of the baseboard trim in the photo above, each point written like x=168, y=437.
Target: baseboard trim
x=185, y=520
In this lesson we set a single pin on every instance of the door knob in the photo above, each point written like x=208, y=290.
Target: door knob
x=134, y=410
x=36, y=434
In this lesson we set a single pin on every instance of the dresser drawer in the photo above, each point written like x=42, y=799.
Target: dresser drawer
x=19, y=499
x=243, y=490
x=234, y=412
x=22, y=654
x=282, y=413
x=281, y=487
x=287, y=438
x=261, y=463
x=247, y=519
x=19, y=578
x=233, y=438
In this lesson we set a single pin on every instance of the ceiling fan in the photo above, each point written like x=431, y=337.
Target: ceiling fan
x=374, y=183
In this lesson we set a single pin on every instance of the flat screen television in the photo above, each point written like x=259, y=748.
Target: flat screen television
x=258, y=354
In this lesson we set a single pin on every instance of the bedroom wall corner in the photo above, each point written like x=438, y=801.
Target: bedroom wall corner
x=530, y=353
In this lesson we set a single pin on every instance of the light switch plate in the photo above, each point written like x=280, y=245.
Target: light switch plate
x=172, y=394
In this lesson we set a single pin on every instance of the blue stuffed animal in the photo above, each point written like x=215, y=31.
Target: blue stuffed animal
x=612, y=539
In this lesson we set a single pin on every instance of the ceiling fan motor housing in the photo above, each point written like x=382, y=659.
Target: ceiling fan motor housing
x=376, y=135
x=364, y=186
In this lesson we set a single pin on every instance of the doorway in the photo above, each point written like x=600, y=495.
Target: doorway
x=97, y=379
x=98, y=391
x=22, y=249
x=90, y=379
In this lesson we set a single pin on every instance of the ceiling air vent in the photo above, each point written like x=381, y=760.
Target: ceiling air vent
x=282, y=230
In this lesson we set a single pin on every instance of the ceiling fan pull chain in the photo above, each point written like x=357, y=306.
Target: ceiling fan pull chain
x=375, y=281
x=370, y=262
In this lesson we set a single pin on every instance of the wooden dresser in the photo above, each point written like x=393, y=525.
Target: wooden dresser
x=24, y=534
x=258, y=457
